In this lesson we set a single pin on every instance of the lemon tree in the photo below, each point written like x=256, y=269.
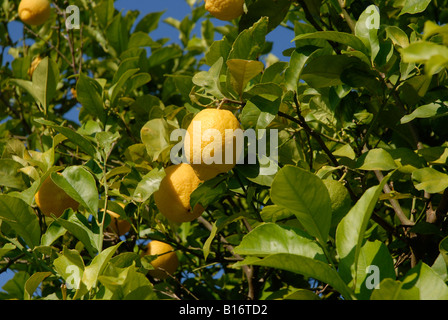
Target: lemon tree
x=334, y=188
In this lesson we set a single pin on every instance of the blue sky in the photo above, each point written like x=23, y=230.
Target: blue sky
x=178, y=9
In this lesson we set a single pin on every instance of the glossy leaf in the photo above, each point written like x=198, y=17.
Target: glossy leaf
x=430, y=180
x=306, y=196
x=21, y=218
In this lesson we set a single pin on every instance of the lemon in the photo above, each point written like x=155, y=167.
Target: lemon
x=33, y=66
x=173, y=196
x=210, y=131
x=166, y=262
x=34, y=12
x=118, y=225
x=225, y=9
x=53, y=200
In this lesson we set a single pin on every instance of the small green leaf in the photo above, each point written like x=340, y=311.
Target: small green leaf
x=367, y=32
x=376, y=159
x=80, y=185
x=432, y=110
x=155, y=137
x=89, y=94
x=33, y=282
x=148, y=185
x=347, y=39
x=208, y=242
x=276, y=11
x=430, y=180
x=242, y=71
x=97, y=266
x=414, y=6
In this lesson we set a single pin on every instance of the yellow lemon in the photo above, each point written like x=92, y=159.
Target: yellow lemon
x=34, y=12
x=225, y=9
x=211, y=145
x=173, y=196
x=166, y=262
x=53, y=200
x=117, y=224
x=33, y=66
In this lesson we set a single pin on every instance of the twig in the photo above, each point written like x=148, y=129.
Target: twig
x=246, y=269
x=50, y=45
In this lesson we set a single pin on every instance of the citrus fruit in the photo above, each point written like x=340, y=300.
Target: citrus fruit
x=166, y=262
x=173, y=196
x=34, y=12
x=210, y=140
x=117, y=224
x=53, y=200
x=225, y=9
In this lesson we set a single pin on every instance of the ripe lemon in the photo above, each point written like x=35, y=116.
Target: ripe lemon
x=117, y=224
x=225, y=9
x=173, y=196
x=166, y=260
x=33, y=66
x=200, y=147
x=34, y=12
x=53, y=200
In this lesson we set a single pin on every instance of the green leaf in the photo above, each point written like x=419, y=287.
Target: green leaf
x=427, y=281
x=422, y=51
x=118, y=86
x=399, y=37
x=162, y=55
x=117, y=35
x=44, y=82
x=97, y=266
x=326, y=71
x=270, y=238
x=275, y=213
x=208, y=192
x=347, y=39
x=148, y=185
x=10, y=175
x=414, y=6
x=209, y=80
x=302, y=265
x=6, y=248
x=394, y=290
x=299, y=58
x=250, y=43
x=242, y=71
x=72, y=135
x=432, y=110
x=21, y=218
x=80, y=185
x=350, y=231
x=70, y=266
x=78, y=225
x=306, y=196
x=376, y=159
x=149, y=22
x=155, y=137
x=89, y=94
x=430, y=180
x=373, y=253
x=276, y=11
x=208, y=242
x=368, y=33
x=33, y=282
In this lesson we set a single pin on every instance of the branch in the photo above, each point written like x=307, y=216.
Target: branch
x=246, y=269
